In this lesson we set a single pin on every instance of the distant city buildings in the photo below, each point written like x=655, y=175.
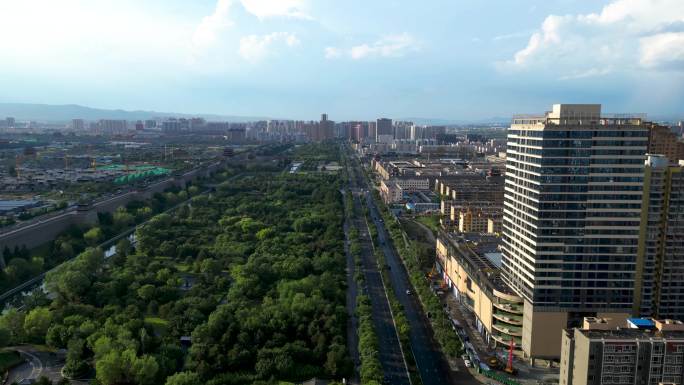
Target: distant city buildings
x=78, y=125
x=384, y=131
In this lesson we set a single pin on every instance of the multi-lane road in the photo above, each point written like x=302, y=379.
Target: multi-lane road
x=390, y=350
x=431, y=364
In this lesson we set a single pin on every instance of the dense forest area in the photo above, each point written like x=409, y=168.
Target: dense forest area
x=24, y=264
x=245, y=285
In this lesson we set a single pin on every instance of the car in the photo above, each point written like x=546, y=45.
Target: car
x=468, y=364
x=408, y=292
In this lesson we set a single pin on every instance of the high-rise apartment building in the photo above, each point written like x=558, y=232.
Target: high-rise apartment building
x=112, y=125
x=327, y=128
x=659, y=286
x=384, y=132
x=402, y=130
x=663, y=141
x=78, y=125
x=572, y=206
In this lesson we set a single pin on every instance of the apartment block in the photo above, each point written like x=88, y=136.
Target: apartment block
x=665, y=142
x=643, y=352
x=660, y=267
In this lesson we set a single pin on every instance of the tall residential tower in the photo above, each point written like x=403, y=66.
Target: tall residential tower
x=573, y=193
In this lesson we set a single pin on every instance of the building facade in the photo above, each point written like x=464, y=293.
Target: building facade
x=665, y=142
x=660, y=273
x=572, y=205
x=384, y=132
x=476, y=282
x=650, y=352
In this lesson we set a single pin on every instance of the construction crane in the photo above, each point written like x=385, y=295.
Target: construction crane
x=509, y=365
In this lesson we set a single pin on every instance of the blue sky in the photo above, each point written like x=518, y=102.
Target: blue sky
x=355, y=59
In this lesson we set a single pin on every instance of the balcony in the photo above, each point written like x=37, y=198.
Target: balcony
x=509, y=307
x=506, y=340
x=515, y=331
x=508, y=318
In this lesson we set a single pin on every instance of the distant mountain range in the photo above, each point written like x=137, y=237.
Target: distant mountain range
x=49, y=113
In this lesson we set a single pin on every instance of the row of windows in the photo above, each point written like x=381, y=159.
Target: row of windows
x=577, y=133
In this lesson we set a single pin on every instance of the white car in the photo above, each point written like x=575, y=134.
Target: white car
x=467, y=363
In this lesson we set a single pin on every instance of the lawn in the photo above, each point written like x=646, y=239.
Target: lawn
x=159, y=325
x=431, y=221
x=9, y=359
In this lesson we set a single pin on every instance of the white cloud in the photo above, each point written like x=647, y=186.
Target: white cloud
x=210, y=26
x=508, y=36
x=208, y=31
x=256, y=47
x=664, y=50
x=625, y=35
x=264, y=9
x=333, y=52
x=592, y=72
x=388, y=46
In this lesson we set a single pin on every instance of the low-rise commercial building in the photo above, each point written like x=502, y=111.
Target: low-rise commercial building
x=393, y=190
x=468, y=263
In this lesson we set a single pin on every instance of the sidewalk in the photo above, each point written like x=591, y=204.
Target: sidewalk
x=529, y=375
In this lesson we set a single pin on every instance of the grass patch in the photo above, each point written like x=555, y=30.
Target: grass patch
x=431, y=221
x=9, y=359
x=159, y=325
x=182, y=267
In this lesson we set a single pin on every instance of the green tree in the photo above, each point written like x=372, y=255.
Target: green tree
x=146, y=292
x=123, y=247
x=93, y=236
x=184, y=378
x=75, y=365
x=13, y=322
x=37, y=322
x=72, y=285
x=5, y=337
x=123, y=219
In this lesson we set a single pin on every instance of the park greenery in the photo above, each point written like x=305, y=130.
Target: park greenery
x=23, y=264
x=244, y=285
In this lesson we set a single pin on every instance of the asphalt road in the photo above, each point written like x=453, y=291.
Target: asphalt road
x=38, y=363
x=390, y=353
x=431, y=365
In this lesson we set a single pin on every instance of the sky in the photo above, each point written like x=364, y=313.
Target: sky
x=354, y=59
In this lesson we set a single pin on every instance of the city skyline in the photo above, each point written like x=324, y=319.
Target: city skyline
x=257, y=57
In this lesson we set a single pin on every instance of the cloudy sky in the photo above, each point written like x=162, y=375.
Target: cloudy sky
x=454, y=59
